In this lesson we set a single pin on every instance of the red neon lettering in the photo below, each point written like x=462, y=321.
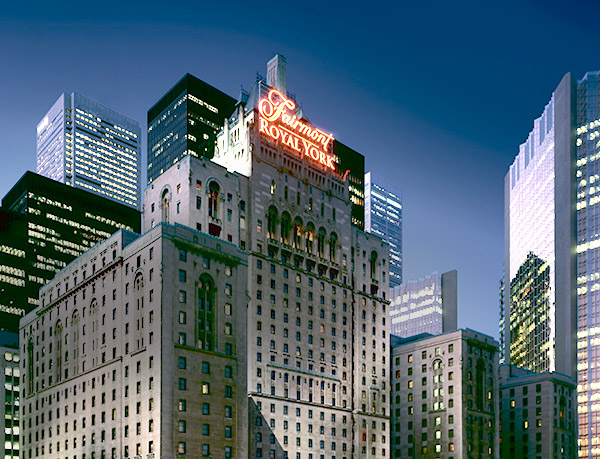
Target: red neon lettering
x=277, y=109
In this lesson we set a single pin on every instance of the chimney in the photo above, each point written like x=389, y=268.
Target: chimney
x=276, y=74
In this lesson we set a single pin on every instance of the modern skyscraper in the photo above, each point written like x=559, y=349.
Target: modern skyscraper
x=552, y=249
x=184, y=122
x=10, y=377
x=317, y=319
x=89, y=146
x=445, y=396
x=148, y=352
x=540, y=312
x=538, y=414
x=427, y=305
x=44, y=225
x=352, y=163
x=383, y=217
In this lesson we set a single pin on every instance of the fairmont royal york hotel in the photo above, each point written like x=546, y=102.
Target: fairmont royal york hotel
x=250, y=317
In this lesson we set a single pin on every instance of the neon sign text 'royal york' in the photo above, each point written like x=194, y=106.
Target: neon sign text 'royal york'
x=279, y=122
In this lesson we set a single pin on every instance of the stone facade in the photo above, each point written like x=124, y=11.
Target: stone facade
x=538, y=414
x=10, y=377
x=317, y=316
x=138, y=350
x=444, y=396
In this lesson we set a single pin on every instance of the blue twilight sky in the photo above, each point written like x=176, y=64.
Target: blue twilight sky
x=437, y=95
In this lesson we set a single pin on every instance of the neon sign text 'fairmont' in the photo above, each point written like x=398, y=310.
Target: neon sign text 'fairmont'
x=278, y=121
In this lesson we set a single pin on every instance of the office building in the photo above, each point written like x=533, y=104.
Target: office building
x=138, y=349
x=502, y=323
x=551, y=247
x=184, y=122
x=427, y=305
x=9, y=392
x=352, y=163
x=538, y=414
x=539, y=237
x=383, y=217
x=444, y=396
x=317, y=333
x=89, y=146
x=44, y=225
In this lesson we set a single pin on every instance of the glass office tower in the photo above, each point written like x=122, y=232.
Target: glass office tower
x=552, y=248
x=383, y=217
x=89, y=146
x=538, y=263
x=427, y=305
x=44, y=225
x=587, y=145
x=184, y=122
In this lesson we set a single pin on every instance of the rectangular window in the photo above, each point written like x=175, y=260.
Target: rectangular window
x=182, y=296
x=182, y=275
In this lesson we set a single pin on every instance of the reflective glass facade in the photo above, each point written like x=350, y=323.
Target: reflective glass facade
x=185, y=122
x=88, y=146
x=552, y=248
x=383, y=217
x=588, y=262
x=532, y=314
x=427, y=305
x=44, y=225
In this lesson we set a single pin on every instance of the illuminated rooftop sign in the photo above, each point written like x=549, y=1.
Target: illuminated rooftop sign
x=278, y=121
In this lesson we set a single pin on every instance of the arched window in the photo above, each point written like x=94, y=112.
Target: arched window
x=480, y=384
x=164, y=203
x=321, y=242
x=297, y=243
x=58, y=348
x=373, y=264
x=310, y=237
x=75, y=340
x=273, y=187
x=213, y=199
x=30, y=376
x=333, y=238
x=206, y=312
x=286, y=226
x=272, y=222
x=138, y=285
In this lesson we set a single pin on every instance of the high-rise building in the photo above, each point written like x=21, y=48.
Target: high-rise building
x=383, y=217
x=318, y=347
x=184, y=122
x=138, y=349
x=89, y=146
x=9, y=392
x=427, y=305
x=552, y=250
x=502, y=322
x=538, y=414
x=44, y=225
x=445, y=396
x=352, y=163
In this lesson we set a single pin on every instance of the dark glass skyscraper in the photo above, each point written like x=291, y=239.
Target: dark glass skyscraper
x=185, y=122
x=353, y=163
x=44, y=225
